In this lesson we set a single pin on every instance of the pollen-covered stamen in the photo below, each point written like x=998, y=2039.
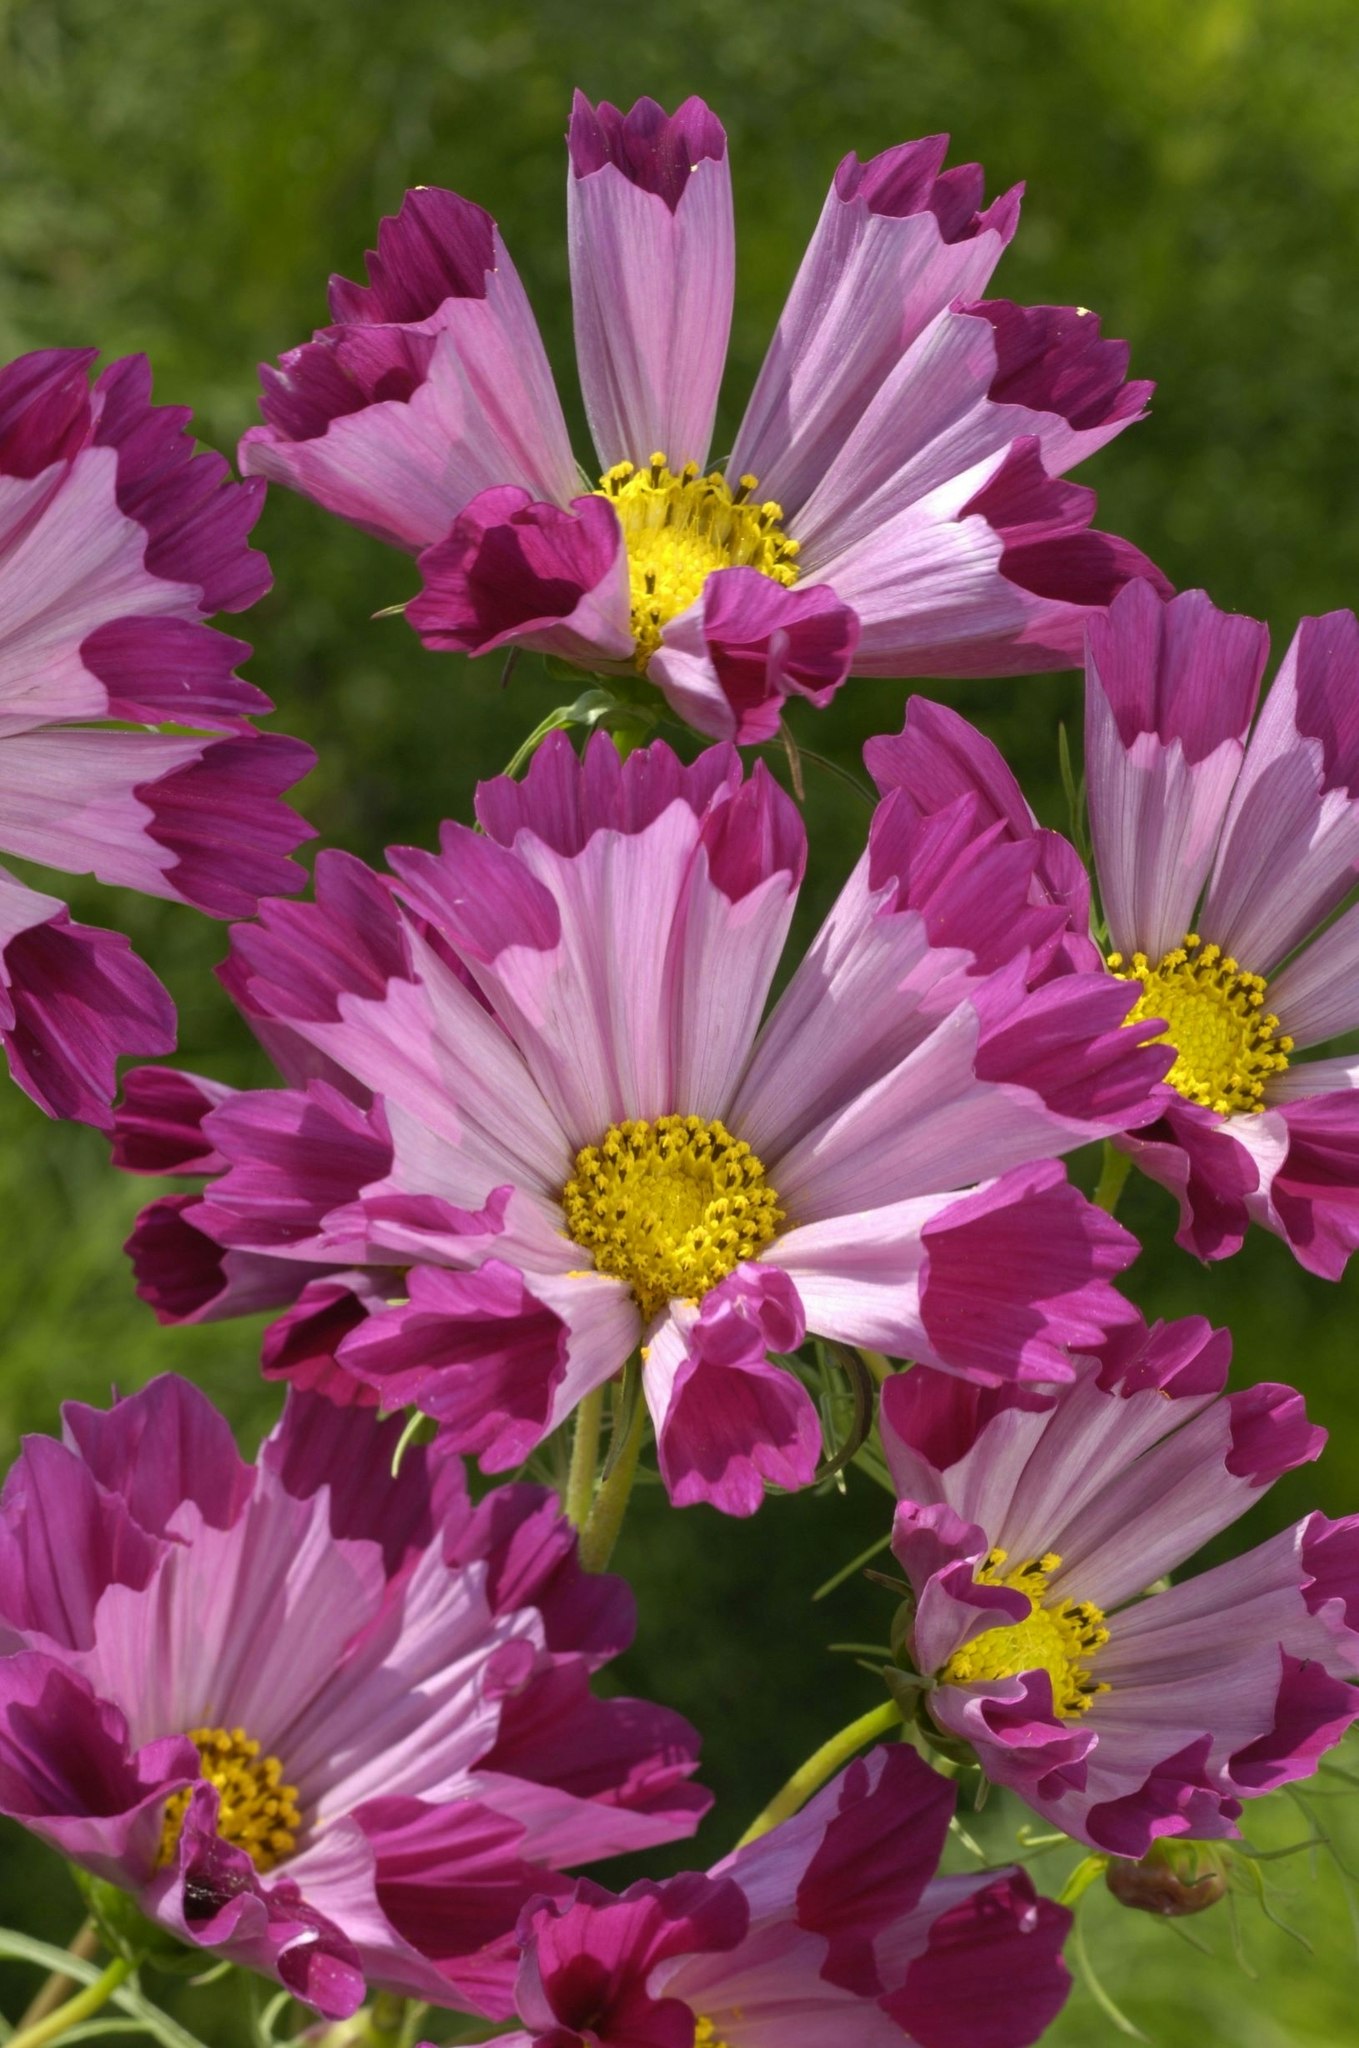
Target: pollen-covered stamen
x=1227, y=1045
x=257, y=1811
x=678, y=528
x=671, y=1207
x=1059, y=1637
x=706, y=2035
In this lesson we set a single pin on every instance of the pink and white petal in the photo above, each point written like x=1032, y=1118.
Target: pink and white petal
x=727, y=1420
x=196, y=820
x=158, y=1125
x=896, y=243
x=1169, y=694
x=159, y=1447
x=186, y=1277
x=172, y=671
x=953, y=401
x=74, y=1000
x=990, y=1974
x=564, y=798
x=1316, y=996
x=1009, y=1077
x=71, y=560
x=590, y=1777
x=994, y=573
x=770, y=1993
x=291, y=1157
x=1218, y=1168
x=1290, y=844
x=513, y=571
x=496, y=1360
x=728, y=664
x=653, y=258
x=1312, y=1199
x=436, y=377
x=1018, y=1275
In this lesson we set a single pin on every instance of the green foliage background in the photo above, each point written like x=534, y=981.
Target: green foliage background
x=179, y=176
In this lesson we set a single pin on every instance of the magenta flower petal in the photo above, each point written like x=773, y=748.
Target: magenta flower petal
x=513, y=571
x=728, y=665
x=158, y=1125
x=897, y=242
x=73, y=1001
x=726, y=1420
x=653, y=259
x=432, y=385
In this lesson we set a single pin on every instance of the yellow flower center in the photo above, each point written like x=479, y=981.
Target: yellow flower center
x=704, y=2036
x=678, y=528
x=1225, y=1040
x=258, y=1812
x=671, y=1207
x=1060, y=1638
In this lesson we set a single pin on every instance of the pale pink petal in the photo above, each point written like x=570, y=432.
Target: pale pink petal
x=1169, y=694
x=532, y=575
x=1290, y=844
x=653, y=254
x=729, y=663
x=896, y=243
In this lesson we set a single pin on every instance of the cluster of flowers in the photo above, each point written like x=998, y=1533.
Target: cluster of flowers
x=539, y=1133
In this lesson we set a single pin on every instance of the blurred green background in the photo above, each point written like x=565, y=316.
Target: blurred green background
x=179, y=176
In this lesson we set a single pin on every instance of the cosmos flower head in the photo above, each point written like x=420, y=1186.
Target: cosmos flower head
x=117, y=543
x=329, y=1723
x=536, y=1122
x=1223, y=854
x=891, y=504
x=832, y=1926
x=1032, y=1524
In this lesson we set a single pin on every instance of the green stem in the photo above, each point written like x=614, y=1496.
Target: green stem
x=1113, y=1173
x=85, y=1947
x=600, y=1532
x=580, y=1480
x=820, y=1766
x=81, y=2007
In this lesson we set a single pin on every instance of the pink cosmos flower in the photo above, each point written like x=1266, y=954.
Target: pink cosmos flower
x=542, y=1126
x=332, y=1725
x=1221, y=860
x=117, y=541
x=889, y=507
x=1031, y=1522
x=832, y=1926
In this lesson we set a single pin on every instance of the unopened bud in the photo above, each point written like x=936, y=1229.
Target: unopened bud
x=1174, y=1878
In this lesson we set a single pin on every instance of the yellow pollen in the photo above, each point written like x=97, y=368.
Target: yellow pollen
x=705, y=2036
x=1225, y=1040
x=1060, y=1638
x=671, y=1207
x=678, y=528
x=258, y=1812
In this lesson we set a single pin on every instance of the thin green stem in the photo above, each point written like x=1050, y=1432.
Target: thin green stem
x=600, y=1533
x=85, y=1947
x=580, y=1480
x=81, y=2007
x=820, y=1766
x=1113, y=1173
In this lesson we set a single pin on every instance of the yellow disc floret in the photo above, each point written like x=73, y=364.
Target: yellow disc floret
x=1226, y=1043
x=258, y=1812
x=678, y=528
x=1059, y=1637
x=705, y=2035
x=671, y=1207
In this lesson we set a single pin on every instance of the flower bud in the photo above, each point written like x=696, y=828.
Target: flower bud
x=1174, y=1878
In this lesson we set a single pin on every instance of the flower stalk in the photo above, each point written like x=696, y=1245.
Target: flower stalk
x=82, y=2007
x=822, y=1766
